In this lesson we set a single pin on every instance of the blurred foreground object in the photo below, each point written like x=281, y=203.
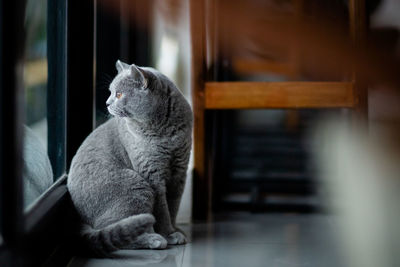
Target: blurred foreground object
x=232, y=41
x=360, y=175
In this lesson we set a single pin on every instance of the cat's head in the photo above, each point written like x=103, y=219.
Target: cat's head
x=134, y=92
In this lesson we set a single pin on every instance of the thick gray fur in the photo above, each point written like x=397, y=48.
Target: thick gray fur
x=127, y=178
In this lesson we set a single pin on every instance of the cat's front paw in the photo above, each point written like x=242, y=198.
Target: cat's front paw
x=156, y=241
x=176, y=238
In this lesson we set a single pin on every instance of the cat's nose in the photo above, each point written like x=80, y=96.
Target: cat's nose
x=109, y=101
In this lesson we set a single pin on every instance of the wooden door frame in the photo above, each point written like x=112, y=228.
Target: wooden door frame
x=215, y=95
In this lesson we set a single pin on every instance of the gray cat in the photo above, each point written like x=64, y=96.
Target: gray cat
x=127, y=178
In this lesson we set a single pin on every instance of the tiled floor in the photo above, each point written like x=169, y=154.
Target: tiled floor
x=242, y=239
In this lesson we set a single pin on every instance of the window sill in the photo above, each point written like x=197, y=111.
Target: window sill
x=37, y=211
x=50, y=224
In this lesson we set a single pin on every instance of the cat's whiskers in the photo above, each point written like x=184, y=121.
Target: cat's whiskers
x=116, y=111
x=104, y=81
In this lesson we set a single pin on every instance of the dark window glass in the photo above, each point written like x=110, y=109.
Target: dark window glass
x=39, y=170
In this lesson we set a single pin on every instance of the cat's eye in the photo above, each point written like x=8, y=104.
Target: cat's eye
x=118, y=95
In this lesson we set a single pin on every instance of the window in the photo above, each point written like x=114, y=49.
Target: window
x=47, y=77
x=46, y=95
x=43, y=151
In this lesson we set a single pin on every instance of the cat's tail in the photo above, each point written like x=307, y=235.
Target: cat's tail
x=117, y=235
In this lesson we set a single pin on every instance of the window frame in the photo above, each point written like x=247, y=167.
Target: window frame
x=11, y=218
x=47, y=227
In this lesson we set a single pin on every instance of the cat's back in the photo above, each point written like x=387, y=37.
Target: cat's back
x=100, y=149
x=103, y=138
x=182, y=110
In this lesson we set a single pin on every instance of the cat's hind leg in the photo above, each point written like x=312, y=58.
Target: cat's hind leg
x=175, y=189
x=131, y=195
x=126, y=217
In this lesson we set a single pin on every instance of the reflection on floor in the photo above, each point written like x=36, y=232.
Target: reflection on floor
x=242, y=239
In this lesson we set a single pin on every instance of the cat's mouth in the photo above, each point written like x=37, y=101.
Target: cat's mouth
x=111, y=111
x=116, y=112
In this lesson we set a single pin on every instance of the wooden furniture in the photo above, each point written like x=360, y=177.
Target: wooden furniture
x=208, y=95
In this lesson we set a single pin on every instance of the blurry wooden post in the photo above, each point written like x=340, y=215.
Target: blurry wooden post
x=201, y=190
x=358, y=33
x=211, y=95
x=292, y=119
x=295, y=49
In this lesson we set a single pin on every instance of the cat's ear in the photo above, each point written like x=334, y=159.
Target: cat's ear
x=139, y=75
x=121, y=66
